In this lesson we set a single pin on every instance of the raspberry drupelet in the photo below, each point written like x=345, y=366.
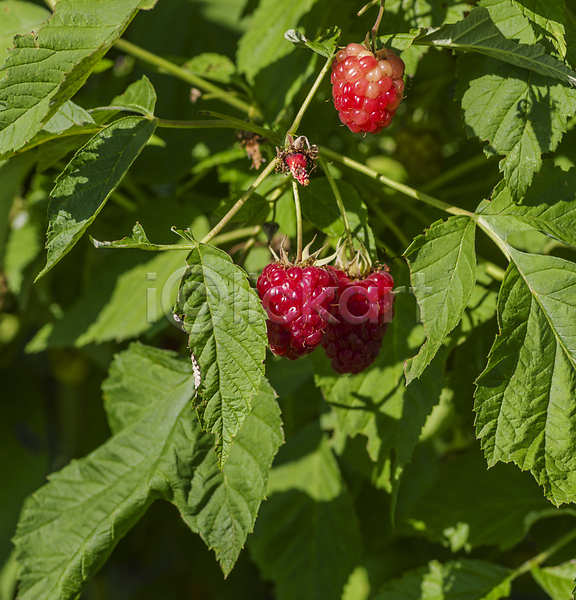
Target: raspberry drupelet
x=366, y=88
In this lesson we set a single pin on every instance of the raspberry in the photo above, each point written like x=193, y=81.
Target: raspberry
x=366, y=89
x=297, y=301
x=297, y=164
x=363, y=309
x=297, y=158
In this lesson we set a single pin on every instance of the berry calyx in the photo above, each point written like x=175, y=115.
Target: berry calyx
x=297, y=300
x=363, y=309
x=367, y=88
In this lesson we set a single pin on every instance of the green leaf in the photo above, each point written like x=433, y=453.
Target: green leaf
x=271, y=64
x=253, y=212
x=67, y=130
x=12, y=172
x=23, y=247
x=68, y=116
x=443, y=274
x=423, y=13
x=557, y=582
x=216, y=67
x=82, y=189
x=548, y=206
x=24, y=449
x=399, y=41
x=139, y=96
x=320, y=207
x=140, y=240
x=18, y=18
x=306, y=539
x=125, y=299
x=457, y=580
x=521, y=114
x=477, y=33
x=43, y=71
x=509, y=19
x=222, y=505
x=523, y=401
x=227, y=336
x=71, y=525
x=264, y=42
x=548, y=18
x=377, y=403
x=325, y=45
x=469, y=505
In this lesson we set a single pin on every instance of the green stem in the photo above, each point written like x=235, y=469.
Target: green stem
x=184, y=75
x=336, y=192
x=544, y=555
x=229, y=123
x=389, y=222
x=493, y=236
x=461, y=169
x=494, y=271
x=400, y=187
x=367, y=7
x=377, y=25
x=248, y=246
x=298, y=222
x=267, y=133
x=122, y=200
x=311, y=93
x=237, y=234
x=240, y=203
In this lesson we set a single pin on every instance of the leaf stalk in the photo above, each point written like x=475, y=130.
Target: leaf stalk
x=308, y=100
x=184, y=75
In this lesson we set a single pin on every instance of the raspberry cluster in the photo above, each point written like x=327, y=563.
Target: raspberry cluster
x=367, y=88
x=363, y=310
x=311, y=306
x=297, y=301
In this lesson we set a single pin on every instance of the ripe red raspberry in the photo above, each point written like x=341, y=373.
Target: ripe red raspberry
x=363, y=309
x=367, y=89
x=297, y=301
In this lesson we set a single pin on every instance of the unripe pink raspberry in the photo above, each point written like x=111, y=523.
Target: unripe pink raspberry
x=366, y=88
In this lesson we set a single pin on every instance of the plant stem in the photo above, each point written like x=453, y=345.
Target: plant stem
x=464, y=167
x=367, y=7
x=237, y=234
x=389, y=222
x=377, y=25
x=298, y=221
x=240, y=203
x=226, y=124
x=544, y=555
x=336, y=192
x=400, y=187
x=309, y=97
x=187, y=76
x=494, y=271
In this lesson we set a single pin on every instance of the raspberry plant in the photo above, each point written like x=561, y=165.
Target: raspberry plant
x=136, y=368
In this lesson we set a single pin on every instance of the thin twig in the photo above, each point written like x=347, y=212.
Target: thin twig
x=240, y=203
x=309, y=97
x=184, y=75
x=298, y=221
